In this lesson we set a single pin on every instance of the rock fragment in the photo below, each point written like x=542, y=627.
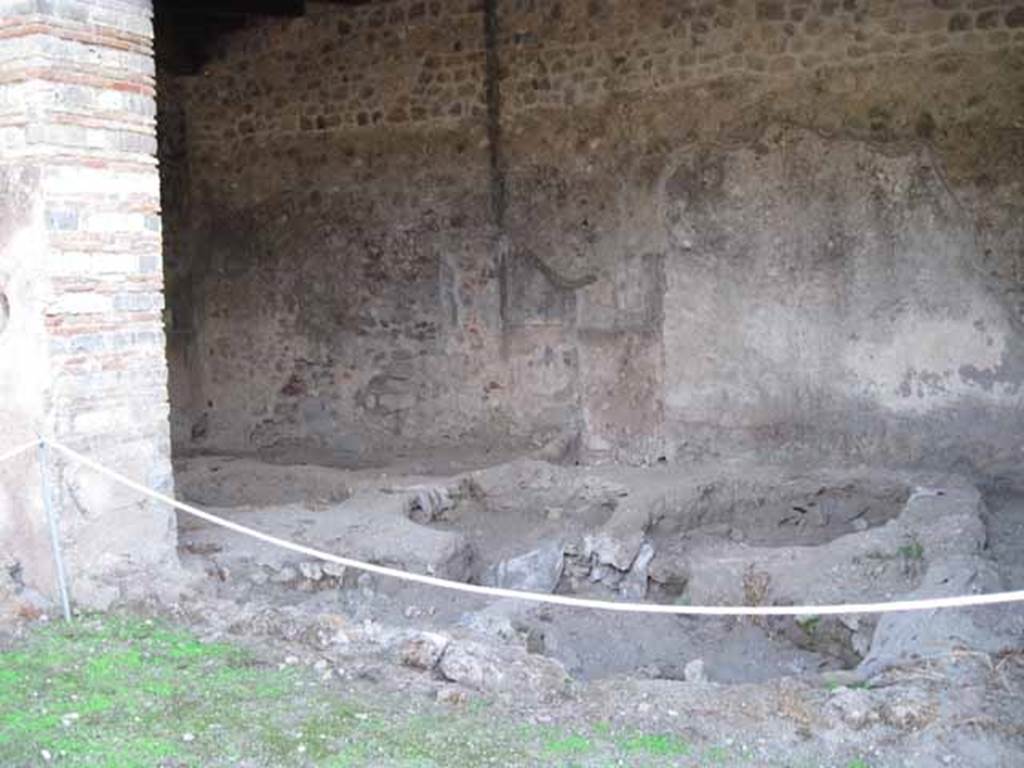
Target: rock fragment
x=634, y=585
x=694, y=672
x=502, y=670
x=423, y=650
x=311, y=570
x=536, y=571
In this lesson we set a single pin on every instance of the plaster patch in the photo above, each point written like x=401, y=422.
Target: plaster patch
x=917, y=367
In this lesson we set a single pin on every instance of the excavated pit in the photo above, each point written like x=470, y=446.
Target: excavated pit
x=729, y=534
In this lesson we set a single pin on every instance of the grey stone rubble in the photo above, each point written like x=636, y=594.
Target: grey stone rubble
x=537, y=571
x=650, y=541
x=925, y=535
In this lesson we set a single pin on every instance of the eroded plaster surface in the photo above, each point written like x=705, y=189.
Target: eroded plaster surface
x=645, y=232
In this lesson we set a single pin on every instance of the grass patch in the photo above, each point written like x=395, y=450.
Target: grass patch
x=122, y=692
x=715, y=756
x=854, y=685
x=912, y=551
x=808, y=624
x=573, y=744
x=656, y=744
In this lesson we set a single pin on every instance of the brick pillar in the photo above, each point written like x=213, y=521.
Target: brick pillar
x=81, y=338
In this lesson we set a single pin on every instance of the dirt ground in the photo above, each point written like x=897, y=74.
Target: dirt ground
x=911, y=690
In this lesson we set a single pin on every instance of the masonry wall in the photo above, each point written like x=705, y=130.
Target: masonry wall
x=81, y=334
x=634, y=229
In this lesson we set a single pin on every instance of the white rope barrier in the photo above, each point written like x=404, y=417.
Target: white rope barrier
x=929, y=604
x=15, y=452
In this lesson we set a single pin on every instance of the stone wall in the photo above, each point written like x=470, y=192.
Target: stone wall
x=672, y=228
x=81, y=273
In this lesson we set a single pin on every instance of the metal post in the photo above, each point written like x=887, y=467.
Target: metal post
x=51, y=517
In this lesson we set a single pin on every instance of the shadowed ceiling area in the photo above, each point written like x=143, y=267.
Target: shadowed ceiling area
x=187, y=31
